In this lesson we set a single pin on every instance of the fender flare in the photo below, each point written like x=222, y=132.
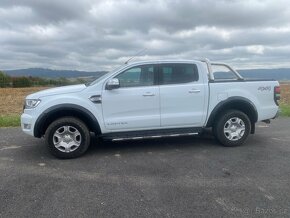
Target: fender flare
x=89, y=119
x=232, y=102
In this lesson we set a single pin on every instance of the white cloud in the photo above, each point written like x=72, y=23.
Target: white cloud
x=96, y=35
x=256, y=49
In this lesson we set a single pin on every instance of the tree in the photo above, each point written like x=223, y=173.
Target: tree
x=21, y=82
x=5, y=80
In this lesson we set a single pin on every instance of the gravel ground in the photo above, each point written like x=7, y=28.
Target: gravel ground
x=173, y=177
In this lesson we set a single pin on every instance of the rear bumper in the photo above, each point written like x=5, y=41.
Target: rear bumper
x=277, y=114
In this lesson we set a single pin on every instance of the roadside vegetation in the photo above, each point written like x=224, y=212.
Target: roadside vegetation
x=13, y=90
x=11, y=103
x=285, y=110
x=21, y=82
x=285, y=99
x=9, y=120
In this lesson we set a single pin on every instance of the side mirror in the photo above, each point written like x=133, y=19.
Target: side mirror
x=113, y=84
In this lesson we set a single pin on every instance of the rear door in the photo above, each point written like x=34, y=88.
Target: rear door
x=182, y=95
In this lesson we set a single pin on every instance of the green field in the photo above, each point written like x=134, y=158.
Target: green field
x=14, y=120
x=12, y=102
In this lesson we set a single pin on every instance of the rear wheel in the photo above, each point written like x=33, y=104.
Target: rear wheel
x=67, y=137
x=232, y=128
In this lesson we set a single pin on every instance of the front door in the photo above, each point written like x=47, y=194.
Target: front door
x=135, y=105
x=182, y=95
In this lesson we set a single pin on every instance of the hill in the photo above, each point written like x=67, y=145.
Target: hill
x=48, y=73
x=277, y=74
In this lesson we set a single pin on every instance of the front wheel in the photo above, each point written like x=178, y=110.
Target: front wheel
x=67, y=137
x=232, y=128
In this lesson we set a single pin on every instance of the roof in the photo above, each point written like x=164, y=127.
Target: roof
x=164, y=61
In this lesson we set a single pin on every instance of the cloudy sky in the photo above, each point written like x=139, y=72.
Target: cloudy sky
x=98, y=34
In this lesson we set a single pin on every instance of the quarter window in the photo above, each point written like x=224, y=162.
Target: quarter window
x=178, y=73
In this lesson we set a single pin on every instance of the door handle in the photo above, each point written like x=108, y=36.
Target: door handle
x=194, y=91
x=147, y=94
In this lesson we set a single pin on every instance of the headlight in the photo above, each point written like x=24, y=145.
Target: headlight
x=31, y=103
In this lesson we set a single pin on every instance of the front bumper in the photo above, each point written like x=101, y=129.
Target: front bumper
x=27, y=124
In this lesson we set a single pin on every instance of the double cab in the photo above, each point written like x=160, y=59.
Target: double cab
x=151, y=99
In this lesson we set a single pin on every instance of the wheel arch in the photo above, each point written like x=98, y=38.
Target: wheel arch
x=237, y=103
x=62, y=110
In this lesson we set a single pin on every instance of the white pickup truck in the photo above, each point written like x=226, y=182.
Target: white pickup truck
x=148, y=100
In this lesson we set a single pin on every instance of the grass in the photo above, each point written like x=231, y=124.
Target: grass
x=9, y=120
x=285, y=110
x=11, y=103
x=11, y=99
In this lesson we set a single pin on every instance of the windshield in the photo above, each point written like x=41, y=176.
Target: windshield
x=100, y=78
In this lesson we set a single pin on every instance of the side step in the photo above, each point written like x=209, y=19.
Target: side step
x=135, y=135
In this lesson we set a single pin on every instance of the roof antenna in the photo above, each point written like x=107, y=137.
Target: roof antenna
x=134, y=56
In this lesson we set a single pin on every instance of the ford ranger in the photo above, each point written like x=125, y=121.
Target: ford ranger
x=151, y=99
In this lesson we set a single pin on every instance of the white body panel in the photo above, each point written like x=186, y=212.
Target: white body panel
x=263, y=100
x=169, y=106
x=184, y=105
x=131, y=108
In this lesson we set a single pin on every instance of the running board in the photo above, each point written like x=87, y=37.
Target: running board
x=154, y=136
x=151, y=134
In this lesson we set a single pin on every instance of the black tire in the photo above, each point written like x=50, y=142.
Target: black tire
x=221, y=122
x=75, y=123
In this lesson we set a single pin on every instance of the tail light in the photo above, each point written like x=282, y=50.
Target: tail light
x=277, y=92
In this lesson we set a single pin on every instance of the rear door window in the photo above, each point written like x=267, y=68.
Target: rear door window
x=178, y=73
